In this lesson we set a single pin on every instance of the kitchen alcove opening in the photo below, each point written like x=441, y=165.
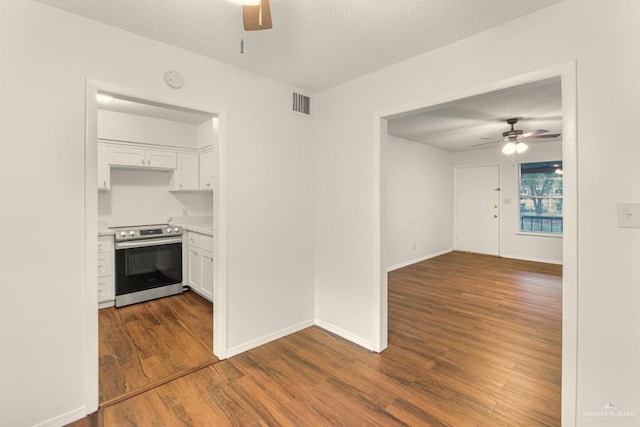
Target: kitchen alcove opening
x=145, y=344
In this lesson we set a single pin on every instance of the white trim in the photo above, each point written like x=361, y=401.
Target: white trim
x=533, y=233
x=269, y=338
x=91, y=230
x=567, y=73
x=90, y=288
x=417, y=260
x=534, y=259
x=64, y=419
x=345, y=334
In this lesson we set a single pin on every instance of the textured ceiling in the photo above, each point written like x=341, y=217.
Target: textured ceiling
x=458, y=125
x=314, y=44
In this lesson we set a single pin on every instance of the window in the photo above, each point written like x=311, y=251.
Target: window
x=541, y=197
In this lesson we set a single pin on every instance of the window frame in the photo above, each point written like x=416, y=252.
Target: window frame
x=553, y=195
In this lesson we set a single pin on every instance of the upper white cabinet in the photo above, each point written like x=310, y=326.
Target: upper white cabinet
x=192, y=168
x=206, y=170
x=142, y=157
x=104, y=169
x=186, y=176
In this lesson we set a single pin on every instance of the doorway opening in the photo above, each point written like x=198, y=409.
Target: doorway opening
x=567, y=249
x=153, y=166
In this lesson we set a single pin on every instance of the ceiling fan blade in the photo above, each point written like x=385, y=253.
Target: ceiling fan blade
x=535, y=132
x=486, y=143
x=256, y=18
x=547, y=136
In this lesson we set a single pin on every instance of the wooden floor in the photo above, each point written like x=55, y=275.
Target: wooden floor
x=144, y=344
x=473, y=340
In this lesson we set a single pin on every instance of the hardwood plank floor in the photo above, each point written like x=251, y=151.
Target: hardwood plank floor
x=473, y=340
x=142, y=344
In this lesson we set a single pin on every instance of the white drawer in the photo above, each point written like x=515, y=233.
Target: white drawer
x=105, y=244
x=105, y=264
x=106, y=291
x=206, y=242
x=193, y=239
x=201, y=241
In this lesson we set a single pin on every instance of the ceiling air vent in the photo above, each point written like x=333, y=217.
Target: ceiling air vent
x=301, y=104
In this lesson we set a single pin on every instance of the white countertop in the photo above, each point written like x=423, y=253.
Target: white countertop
x=197, y=224
x=204, y=229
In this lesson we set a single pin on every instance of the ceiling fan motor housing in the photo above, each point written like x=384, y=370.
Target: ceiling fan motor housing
x=512, y=133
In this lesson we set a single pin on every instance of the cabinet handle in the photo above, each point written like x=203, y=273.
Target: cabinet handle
x=143, y=161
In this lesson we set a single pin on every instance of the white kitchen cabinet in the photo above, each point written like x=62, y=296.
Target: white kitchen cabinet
x=200, y=268
x=104, y=169
x=106, y=285
x=206, y=170
x=142, y=157
x=186, y=176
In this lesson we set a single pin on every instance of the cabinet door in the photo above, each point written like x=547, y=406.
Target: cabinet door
x=104, y=169
x=206, y=260
x=127, y=156
x=187, y=172
x=195, y=269
x=160, y=159
x=206, y=170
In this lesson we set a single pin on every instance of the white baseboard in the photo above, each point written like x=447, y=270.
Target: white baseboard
x=344, y=334
x=416, y=260
x=64, y=419
x=268, y=338
x=524, y=258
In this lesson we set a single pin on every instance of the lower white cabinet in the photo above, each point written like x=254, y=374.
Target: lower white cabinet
x=200, y=269
x=106, y=286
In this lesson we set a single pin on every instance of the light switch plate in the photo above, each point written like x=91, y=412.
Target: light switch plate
x=629, y=215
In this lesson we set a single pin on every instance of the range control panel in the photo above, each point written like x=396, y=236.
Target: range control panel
x=146, y=232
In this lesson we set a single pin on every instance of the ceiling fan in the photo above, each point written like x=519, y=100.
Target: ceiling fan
x=512, y=138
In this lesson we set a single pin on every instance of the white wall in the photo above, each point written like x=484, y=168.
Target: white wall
x=512, y=243
x=143, y=197
x=419, y=184
x=42, y=117
x=603, y=38
x=149, y=130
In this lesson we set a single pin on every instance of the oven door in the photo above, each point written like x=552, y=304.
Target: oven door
x=147, y=269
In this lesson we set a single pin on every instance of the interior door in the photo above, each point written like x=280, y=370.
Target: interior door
x=477, y=209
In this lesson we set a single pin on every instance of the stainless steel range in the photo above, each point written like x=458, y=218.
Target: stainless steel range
x=148, y=263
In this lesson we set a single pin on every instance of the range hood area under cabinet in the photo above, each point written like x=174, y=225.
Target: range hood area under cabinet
x=192, y=168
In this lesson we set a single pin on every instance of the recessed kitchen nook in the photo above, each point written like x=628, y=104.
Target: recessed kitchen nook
x=156, y=183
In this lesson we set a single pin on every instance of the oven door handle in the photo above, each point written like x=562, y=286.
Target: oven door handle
x=148, y=242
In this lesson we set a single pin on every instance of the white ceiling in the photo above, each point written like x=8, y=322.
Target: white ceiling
x=461, y=124
x=314, y=44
